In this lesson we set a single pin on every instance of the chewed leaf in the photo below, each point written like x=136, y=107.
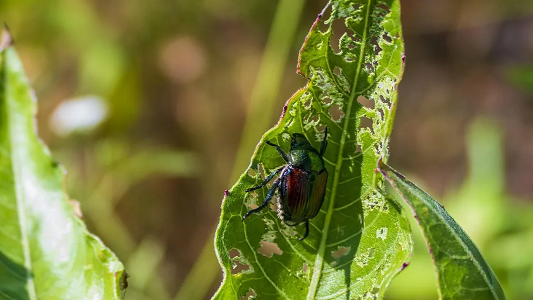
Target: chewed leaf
x=462, y=271
x=45, y=250
x=353, y=59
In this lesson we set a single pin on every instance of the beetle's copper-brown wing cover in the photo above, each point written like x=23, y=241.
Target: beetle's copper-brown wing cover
x=317, y=194
x=295, y=192
x=303, y=196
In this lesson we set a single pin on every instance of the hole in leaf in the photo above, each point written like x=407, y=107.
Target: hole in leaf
x=250, y=295
x=365, y=102
x=340, y=252
x=335, y=111
x=369, y=67
x=273, y=205
x=320, y=129
x=375, y=44
x=324, y=16
x=365, y=123
x=314, y=119
x=380, y=114
x=387, y=37
x=320, y=133
x=252, y=173
x=337, y=70
x=239, y=263
x=339, y=29
x=268, y=249
x=356, y=6
x=251, y=199
x=327, y=100
x=374, y=40
x=383, y=8
x=234, y=253
x=385, y=100
x=382, y=233
x=377, y=51
x=307, y=104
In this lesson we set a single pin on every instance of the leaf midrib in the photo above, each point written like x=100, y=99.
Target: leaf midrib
x=469, y=253
x=16, y=165
x=319, y=262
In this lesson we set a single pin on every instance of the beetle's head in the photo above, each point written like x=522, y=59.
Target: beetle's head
x=299, y=141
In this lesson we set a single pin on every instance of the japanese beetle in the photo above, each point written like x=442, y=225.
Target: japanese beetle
x=301, y=184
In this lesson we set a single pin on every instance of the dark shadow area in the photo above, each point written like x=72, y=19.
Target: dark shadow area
x=13, y=279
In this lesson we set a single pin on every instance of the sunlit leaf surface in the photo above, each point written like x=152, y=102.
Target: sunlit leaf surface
x=462, y=271
x=353, y=58
x=45, y=250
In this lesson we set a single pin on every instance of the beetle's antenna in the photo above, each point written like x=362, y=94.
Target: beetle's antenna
x=281, y=152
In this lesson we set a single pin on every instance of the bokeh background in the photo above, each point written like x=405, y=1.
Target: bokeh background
x=154, y=108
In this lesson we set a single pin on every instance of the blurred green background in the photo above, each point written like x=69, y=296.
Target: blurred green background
x=154, y=108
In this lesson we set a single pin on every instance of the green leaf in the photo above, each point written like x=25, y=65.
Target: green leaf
x=45, y=250
x=462, y=272
x=361, y=238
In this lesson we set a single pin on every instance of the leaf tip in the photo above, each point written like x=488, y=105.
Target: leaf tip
x=6, y=40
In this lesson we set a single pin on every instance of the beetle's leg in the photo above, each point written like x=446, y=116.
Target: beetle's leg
x=267, y=199
x=324, y=142
x=266, y=180
x=281, y=152
x=306, y=231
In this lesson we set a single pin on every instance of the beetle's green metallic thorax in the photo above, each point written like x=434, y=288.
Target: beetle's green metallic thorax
x=303, y=156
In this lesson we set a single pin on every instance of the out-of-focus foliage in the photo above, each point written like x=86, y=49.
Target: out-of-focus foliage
x=497, y=223
x=46, y=251
x=462, y=272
